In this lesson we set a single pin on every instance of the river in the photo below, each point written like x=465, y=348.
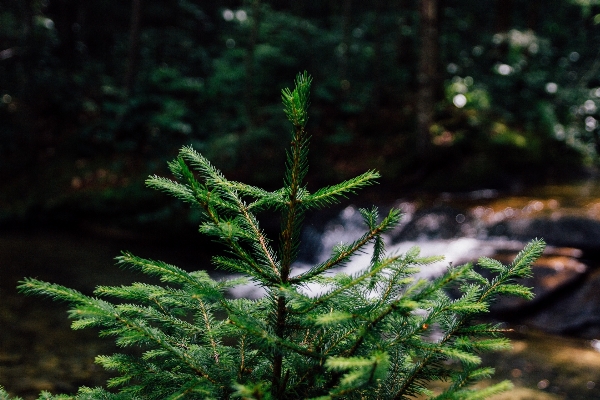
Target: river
x=38, y=350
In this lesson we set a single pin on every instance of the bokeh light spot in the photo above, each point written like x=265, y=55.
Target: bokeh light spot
x=574, y=56
x=590, y=124
x=357, y=33
x=504, y=69
x=533, y=48
x=76, y=182
x=228, y=15
x=590, y=106
x=241, y=15
x=543, y=384
x=48, y=23
x=551, y=87
x=459, y=100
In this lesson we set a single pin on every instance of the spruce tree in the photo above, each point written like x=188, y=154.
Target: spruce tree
x=368, y=335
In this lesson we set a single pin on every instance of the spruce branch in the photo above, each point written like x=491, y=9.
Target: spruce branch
x=210, y=174
x=296, y=102
x=330, y=195
x=318, y=301
x=273, y=340
x=520, y=267
x=343, y=253
x=262, y=243
x=168, y=273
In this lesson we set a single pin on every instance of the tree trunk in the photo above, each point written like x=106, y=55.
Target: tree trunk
x=250, y=97
x=377, y=66
x=504, y=9
x=533, y=15
x=345, y=45
x=134, y=44
x=427, y=75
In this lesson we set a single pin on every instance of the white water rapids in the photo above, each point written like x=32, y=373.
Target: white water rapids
x=348, y=226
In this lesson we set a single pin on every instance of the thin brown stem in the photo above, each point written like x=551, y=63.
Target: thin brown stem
x=209, y=329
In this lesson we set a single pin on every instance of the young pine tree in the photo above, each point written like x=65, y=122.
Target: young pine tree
x=365, y=336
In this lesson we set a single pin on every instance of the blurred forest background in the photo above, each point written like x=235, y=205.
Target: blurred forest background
x=455, y=95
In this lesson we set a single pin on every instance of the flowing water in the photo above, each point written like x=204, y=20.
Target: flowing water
x=38, y=351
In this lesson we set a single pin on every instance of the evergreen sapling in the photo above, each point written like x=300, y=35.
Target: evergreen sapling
x=365, y=336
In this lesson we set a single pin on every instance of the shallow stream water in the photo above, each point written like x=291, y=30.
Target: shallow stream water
x=38, y=351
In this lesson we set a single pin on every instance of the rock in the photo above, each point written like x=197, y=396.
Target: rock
x=567, y=299
x=576, y=314
x=578, y=232
x=557, y=270
x=440, y=222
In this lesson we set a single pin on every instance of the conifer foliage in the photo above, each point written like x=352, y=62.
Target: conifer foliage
x=377, y=334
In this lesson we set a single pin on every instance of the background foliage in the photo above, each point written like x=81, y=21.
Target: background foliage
x=95, y=95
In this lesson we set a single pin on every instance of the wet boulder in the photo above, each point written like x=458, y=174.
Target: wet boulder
x=556, y=272
x=441, y=222
x=577, y=313
x=579, y=232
